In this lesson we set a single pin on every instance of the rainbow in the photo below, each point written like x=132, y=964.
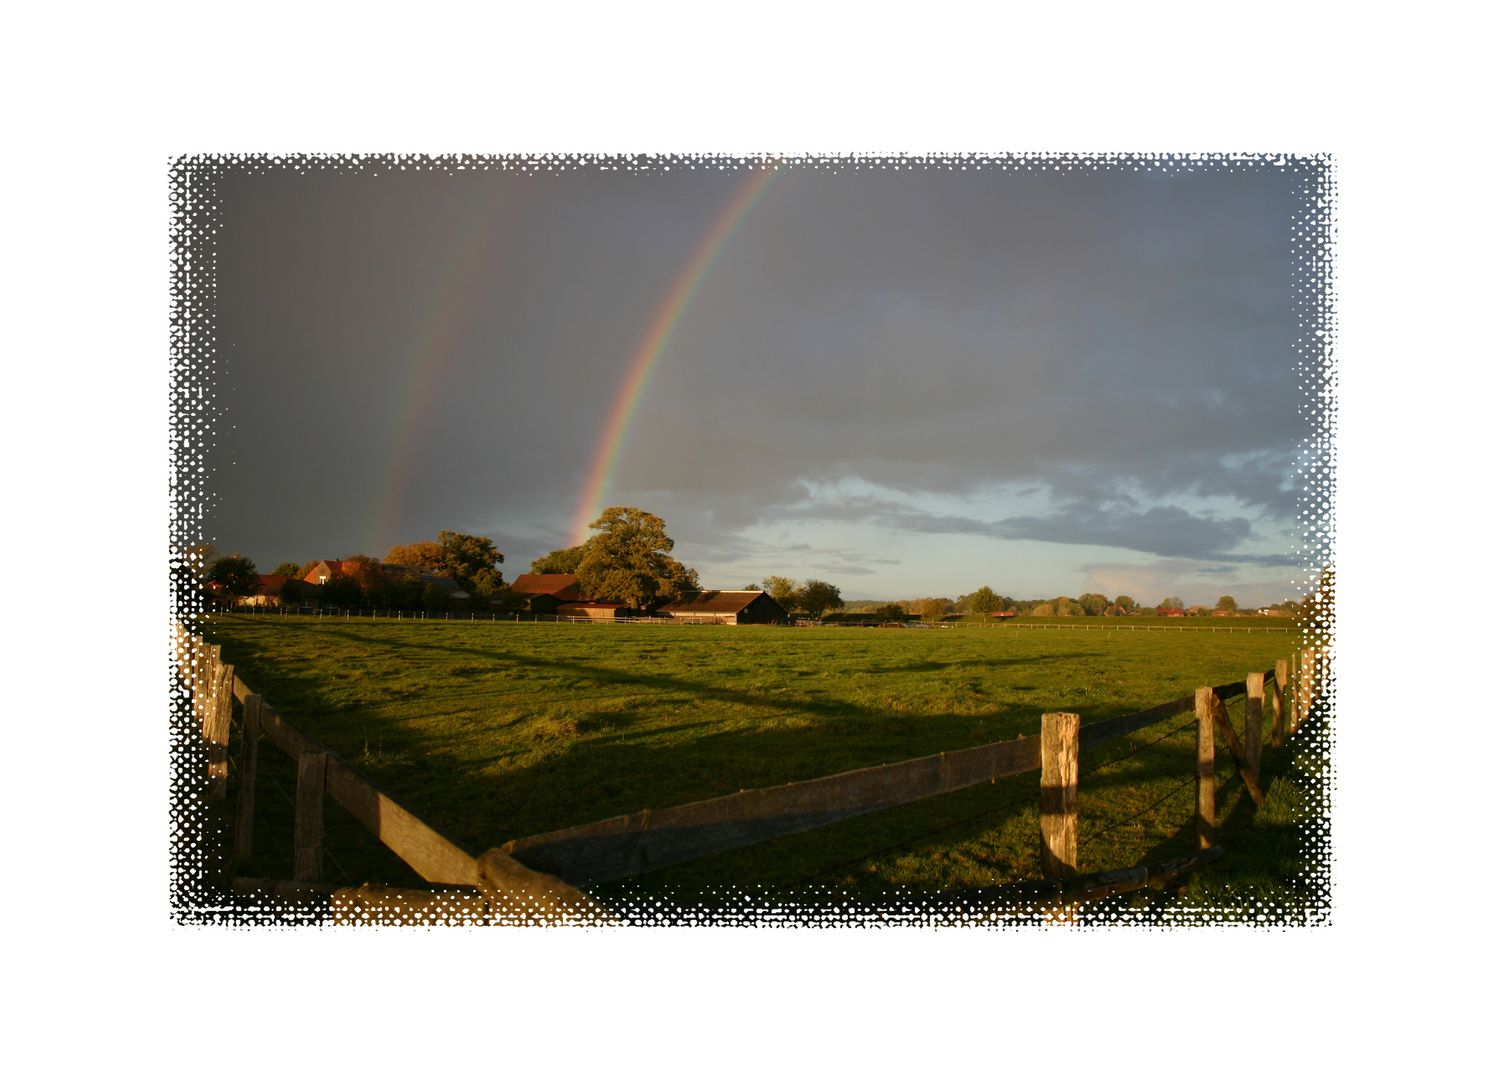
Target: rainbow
x=652, y=346
x=432, y=346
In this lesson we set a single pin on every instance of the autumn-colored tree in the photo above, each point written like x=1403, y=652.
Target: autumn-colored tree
x=628, y=560
x=560, y=561
x=368, y=574
x=424, y=553
x=781, y=590
x=935, y=607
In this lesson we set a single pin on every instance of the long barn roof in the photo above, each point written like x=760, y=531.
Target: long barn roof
x=716, y=602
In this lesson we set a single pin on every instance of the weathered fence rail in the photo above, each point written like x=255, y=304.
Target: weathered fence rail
x=652, y=839
x=509, y=892
x=538, y=879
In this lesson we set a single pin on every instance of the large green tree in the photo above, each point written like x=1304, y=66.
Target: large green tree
x=1093, y=603
x=560, y=561
x=1225, y=603
x=891, y=612
x=235, y=574
x=984, y=600
x=1126, y=604
x=628, y=560
x=471, y=560
x=285, y=569
x=817, y=597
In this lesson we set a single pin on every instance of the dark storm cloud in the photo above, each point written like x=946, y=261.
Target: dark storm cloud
x=1120, y=342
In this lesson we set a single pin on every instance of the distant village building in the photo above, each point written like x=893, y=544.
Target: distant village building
x=546, y=592
x=323, y=571
x=1171, y=612
x=736, y=607
x=326, y=569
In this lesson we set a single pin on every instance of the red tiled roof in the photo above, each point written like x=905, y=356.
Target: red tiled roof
x=561, y=586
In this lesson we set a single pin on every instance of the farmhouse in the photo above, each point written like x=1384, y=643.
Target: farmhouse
x=731, y=606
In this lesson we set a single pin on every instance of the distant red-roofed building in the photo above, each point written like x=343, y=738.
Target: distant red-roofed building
x=324, y=570
x=1170, y=612
x=731, y=606
x=561, y=587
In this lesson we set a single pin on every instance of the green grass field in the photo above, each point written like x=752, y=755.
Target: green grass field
x=493, y=731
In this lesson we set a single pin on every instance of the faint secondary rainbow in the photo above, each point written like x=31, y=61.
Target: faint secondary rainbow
x=433, y=346
x=652, y=347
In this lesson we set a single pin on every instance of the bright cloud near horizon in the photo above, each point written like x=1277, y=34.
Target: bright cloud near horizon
x=906, y=382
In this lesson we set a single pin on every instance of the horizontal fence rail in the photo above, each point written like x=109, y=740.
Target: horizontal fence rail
x=635, y=843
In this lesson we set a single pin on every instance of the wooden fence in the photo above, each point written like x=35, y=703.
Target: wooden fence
x=539, y=879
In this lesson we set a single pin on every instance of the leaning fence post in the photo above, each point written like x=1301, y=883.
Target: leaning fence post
x=246, y=793
x=1256, y=697
x=309, y=817
x=1204, y=766
x=1060, y=795
x=1279, y=702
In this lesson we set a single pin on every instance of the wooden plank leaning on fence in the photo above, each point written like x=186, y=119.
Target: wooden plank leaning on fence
x=1256, y=699
x=1060, y=795
x=1228, y=733
x=636, y=843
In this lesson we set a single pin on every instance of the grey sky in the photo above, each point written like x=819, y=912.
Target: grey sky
x=908, y=383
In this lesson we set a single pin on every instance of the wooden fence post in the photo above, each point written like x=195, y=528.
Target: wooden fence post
x=1306, y=683
x=196, y=688
x=1060, y=795
x=1204, y=766
x=1256, y=697
x=1293, y=693
x=246, y=794
x=1279, y=702
x=309, y=817
x=217, y=730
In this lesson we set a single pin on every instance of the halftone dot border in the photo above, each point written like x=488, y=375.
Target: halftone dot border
x=194, y=412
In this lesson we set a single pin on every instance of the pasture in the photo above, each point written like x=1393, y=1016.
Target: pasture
x=492, y=731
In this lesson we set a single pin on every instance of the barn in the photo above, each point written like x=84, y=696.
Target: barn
x=736, y=607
